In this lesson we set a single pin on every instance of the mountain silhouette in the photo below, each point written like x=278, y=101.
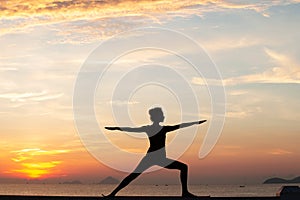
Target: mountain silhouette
x=277, y=180
x=296, y=180
x=72, y=182
x=109, y=180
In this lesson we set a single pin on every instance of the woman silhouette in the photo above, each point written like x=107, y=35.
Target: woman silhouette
x=156, y=154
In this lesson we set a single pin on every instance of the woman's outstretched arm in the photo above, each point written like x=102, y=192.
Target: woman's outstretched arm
x=187, y=124
x=128, y=129
x=183, y=125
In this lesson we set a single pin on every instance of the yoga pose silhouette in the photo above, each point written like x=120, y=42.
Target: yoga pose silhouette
x=156, y=154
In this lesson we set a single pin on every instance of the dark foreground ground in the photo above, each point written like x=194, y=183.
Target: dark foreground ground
x=18, y=197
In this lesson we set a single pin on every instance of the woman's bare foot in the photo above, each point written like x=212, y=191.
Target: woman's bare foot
x=188, y=194
x=110, y=195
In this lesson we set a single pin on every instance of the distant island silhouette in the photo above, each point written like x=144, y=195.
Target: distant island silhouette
x=109, y=180
x=72, y=182
x=277, y=180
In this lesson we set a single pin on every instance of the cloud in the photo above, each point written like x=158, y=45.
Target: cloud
x=20, y=15
x=41, y=165
x=91, y=30
x=206, y=81
x=47, y=97
x=122, y=103
x=8, y=69
x=237, y=92
x=37, y=169
x=285, y=70
x=280, y=152
x=244, y=110
x=35, y=162
x=231, y=43
x=228, y=150
x=243, y=103
x=30, y=153
x=30, y=96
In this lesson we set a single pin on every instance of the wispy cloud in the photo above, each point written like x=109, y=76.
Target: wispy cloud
x=229, y=150
x=243, y=104
x=8, y=69
x=231, y=43
x=122, y=103
x=242, y=110
x=284, y=70
x=280, y=152
x=30, y=96
x=25, y=154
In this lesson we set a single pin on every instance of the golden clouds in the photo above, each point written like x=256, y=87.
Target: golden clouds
x=20, y=14
x=53, y=10
x=35, y=162
x=79, y=8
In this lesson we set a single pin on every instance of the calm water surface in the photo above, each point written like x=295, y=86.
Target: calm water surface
x=137, y=190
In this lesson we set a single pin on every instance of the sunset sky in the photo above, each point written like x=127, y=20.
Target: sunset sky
x=253, y=44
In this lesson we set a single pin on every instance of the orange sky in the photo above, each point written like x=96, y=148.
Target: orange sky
x=45, y=44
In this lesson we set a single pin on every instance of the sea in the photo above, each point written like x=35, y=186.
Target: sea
x=139, y=190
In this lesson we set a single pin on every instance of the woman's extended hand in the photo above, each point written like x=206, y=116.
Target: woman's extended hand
x=112, y=128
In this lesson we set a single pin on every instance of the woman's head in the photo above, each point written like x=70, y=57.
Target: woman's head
x=156, y=114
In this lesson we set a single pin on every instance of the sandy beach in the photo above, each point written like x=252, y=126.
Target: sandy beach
x=25, y=197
